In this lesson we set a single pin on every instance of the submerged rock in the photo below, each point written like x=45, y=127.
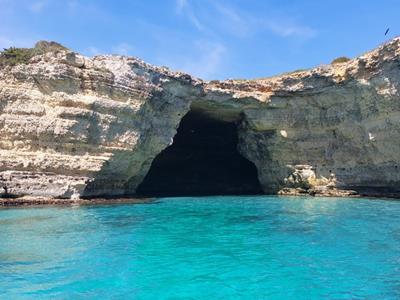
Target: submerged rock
x=73, y=126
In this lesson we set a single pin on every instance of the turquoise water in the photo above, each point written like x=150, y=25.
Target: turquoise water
x=203, y=248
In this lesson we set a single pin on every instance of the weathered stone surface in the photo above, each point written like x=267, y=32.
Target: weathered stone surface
x=304, y=181
x=73, y=126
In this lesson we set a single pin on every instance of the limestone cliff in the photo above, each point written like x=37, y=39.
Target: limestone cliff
x=73, y=126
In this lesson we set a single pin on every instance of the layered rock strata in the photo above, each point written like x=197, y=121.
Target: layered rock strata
x=73, y=126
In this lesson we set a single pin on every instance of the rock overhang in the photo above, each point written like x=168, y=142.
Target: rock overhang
x=119, y=113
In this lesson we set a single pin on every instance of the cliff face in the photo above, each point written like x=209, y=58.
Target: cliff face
x=73, y=126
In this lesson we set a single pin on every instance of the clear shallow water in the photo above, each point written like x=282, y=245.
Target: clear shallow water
x=204, y=248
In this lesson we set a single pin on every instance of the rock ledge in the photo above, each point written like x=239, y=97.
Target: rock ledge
x=76, y=127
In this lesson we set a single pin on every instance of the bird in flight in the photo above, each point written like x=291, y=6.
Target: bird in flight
x=387, y=30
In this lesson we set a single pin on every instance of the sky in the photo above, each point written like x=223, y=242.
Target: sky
x=210, y=39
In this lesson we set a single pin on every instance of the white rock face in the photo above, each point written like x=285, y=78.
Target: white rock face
x=73, y=126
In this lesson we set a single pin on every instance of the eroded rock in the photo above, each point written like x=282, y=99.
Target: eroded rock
x=73, y=126
x=303, y=180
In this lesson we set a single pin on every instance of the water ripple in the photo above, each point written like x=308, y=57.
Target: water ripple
x=204, y=248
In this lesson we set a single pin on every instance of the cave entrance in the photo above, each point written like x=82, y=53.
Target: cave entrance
x=202, y=160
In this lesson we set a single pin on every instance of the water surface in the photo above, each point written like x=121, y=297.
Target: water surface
x=257, y=247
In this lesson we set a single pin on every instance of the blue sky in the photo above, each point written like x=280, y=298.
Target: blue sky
x=212, y=39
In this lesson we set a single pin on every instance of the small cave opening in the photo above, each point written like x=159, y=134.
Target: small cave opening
x=202, y=160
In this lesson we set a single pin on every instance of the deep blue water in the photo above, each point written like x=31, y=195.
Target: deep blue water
x=204, y=248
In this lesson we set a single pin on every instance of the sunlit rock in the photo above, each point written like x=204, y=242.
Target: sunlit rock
x=73, y=126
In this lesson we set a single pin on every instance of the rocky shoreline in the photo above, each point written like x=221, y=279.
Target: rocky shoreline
x=76, y=127
x=43, y=201
x=318, y=193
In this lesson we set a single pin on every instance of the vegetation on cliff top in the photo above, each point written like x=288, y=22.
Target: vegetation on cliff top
x=13, y=56
x=339, y=60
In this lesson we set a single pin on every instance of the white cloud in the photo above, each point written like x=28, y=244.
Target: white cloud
x=122, y=49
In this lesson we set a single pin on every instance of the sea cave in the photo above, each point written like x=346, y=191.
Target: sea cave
x=202, y=160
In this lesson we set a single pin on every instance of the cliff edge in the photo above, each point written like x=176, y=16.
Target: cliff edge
x=73, y=126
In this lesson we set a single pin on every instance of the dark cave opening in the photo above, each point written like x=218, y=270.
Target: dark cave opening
x=202, y=160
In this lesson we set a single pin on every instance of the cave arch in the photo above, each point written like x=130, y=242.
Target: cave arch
x=202, y=160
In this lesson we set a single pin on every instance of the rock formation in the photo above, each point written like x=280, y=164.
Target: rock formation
x=304, y=181
x=73, y=126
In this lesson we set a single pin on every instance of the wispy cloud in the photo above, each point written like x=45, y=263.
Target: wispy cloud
x=233, y=21
x=289, y=28
x=244, y=23
x=205, y=60
x=92, y=10
x=209, y=60
x=37, y=6
x=180, y=5
x=215, y=20
x=72, y=5
x=122, y=49
x=184, y=8
x=221, y=18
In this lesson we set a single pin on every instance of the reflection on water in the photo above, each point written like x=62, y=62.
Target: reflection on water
x=209, y=247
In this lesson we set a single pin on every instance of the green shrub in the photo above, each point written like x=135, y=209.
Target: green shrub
x=45, y=46
x=339, y=60
x=13, y=56
x=298, y=71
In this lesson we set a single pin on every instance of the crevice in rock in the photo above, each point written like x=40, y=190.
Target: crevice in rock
x=202, y=160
